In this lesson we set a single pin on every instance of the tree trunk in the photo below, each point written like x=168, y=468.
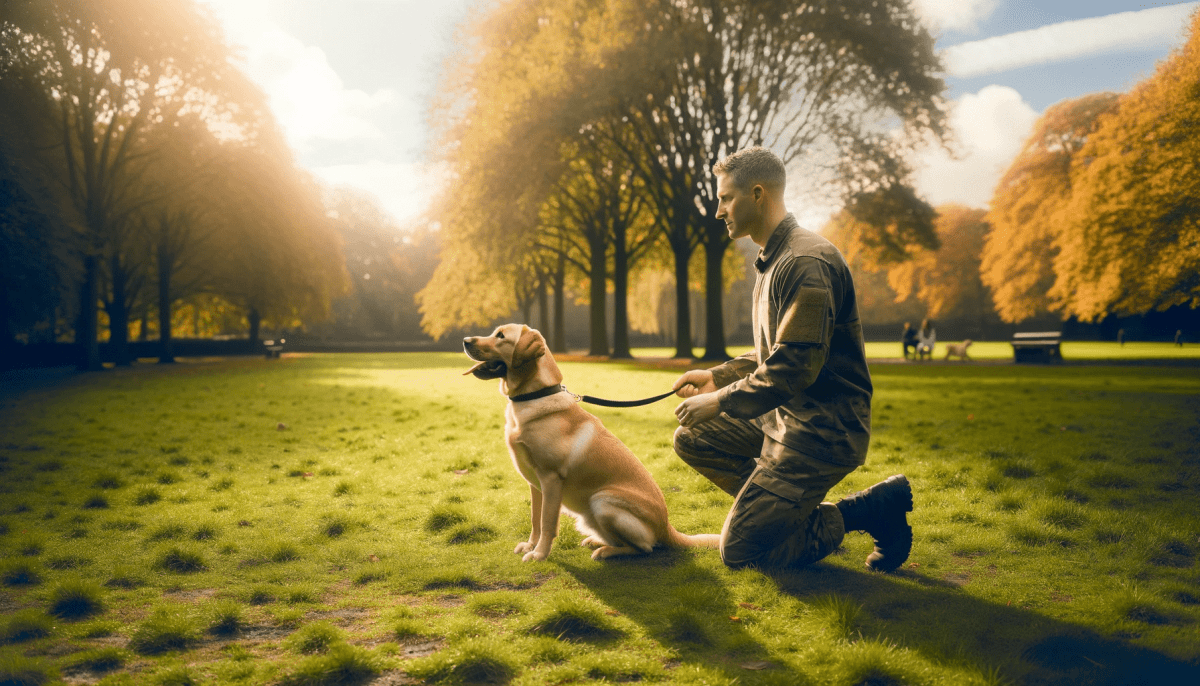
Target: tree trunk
x=620, y=295
x=166, y=348
x=683, y=309
x=118, y=314
x=559, y=345
x=255, y=321
x=714, y=294
x=86, y=333
x=144, y=323
x=598, y=274
x=543, y=307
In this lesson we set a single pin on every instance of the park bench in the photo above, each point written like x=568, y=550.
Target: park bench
x=1038, y=346
x=273, y=348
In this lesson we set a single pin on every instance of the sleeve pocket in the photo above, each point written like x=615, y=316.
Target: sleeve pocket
x=806, y=319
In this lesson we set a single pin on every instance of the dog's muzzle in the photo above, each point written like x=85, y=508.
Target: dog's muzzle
x=486, y=369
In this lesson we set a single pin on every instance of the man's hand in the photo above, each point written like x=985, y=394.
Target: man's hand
x=694, y=382
x=698, y=409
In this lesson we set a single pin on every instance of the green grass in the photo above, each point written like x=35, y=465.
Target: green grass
x=1055, y=532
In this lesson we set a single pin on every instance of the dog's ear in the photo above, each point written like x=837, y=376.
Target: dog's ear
x=529, y=347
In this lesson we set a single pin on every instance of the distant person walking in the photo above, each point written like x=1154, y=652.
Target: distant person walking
x=926, y=339
x=1178, y=338
x=908, y=340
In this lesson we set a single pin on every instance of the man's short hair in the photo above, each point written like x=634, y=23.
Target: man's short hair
x=754, y=166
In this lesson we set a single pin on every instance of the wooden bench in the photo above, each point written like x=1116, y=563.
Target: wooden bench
x=1040, y=347
x=273, y=348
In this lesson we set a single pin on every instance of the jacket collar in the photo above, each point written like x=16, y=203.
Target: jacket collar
x=778, y=237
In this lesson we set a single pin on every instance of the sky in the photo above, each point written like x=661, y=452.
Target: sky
x=350, y=81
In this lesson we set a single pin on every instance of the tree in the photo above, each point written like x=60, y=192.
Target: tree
x=109, y=70
x=1131, y=236
x=947, y=280
x=1029, y=206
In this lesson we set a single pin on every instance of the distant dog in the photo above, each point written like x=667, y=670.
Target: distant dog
x=569, y=459
x=958, y=349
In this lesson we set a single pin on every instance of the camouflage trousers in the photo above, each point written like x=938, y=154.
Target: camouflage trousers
x=778, y=518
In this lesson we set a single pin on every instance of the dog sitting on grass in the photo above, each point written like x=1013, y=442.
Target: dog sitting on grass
x=570, y=460
x=958, y=349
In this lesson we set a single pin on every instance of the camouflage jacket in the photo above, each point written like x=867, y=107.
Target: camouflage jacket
x=807, y=377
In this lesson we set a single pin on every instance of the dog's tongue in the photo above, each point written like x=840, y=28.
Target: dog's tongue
x=472, y=370
x=491, y=368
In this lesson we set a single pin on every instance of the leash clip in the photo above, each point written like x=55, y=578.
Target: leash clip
x=568, y=391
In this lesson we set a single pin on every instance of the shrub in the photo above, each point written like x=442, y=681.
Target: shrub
x=317, y=637
x=76, y=599
x=26, y=625
x=180, y=561
x=19, y=670
x=162, y=632
x=19, y=573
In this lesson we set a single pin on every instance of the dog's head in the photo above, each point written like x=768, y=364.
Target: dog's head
x=966, y=343
x=511, y=352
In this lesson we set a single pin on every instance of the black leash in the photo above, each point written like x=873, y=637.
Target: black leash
x=551, y=390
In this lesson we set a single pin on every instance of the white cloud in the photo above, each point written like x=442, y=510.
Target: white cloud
x=954, y=15
x=1122, y=32
x=307, y=96
x=990, y=126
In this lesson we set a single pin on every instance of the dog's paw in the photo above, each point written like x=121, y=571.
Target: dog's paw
x=523, y=547
x=533, y=556
x=592, y=542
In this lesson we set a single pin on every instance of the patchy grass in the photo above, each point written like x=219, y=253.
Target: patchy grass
x=1054, y=526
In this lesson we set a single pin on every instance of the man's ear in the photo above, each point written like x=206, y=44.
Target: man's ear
x=529, y=347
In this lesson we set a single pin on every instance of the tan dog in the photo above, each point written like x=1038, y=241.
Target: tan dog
x=569, y=459
x=958, y=349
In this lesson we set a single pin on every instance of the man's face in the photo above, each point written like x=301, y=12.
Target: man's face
x=739, y=208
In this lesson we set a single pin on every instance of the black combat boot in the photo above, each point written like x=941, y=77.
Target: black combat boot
x=879, y=511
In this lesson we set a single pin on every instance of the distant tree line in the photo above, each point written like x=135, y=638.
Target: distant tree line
x=138, y=169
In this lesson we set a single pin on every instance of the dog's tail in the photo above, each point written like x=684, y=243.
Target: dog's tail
x=678, y=540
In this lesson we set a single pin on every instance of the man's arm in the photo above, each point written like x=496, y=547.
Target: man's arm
x=802, y=337
x=738, y=368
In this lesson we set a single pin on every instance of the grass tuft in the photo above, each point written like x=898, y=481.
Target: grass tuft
x=283, y=552
x=261, y=595
x=334, y=526
x=316, y=637
x=162, y=632
x=497, y=603
x=342, y=664
x=26, y=625
x=179, y=675
x=20, y=573
x=98, y=660
x=147, y=495
x=574, y=620
x=686, y=626
x=226, y=618
x=180, y=561
x=841, y=613
x=442, y=517
x=18, y=670
x=482, y=660
x=96, y=502
x=343, y=488
x=107, y=480
x=76, y=599
x=478, y=533
x=167, y=532
x=205, y=532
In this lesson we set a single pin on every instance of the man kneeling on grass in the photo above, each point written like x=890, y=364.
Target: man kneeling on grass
x=778, y=427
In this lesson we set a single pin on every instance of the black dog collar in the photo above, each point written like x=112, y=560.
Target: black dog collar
x=548, y=390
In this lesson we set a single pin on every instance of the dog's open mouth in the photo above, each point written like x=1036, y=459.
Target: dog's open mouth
x=488, y=369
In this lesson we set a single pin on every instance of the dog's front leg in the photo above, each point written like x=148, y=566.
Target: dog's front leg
x=551, y=505
x=535, y=508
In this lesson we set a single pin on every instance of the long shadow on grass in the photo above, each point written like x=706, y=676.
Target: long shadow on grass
x=699, y=626
x=944, y=623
